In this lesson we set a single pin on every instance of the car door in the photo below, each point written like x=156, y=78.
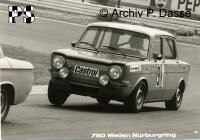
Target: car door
x=157, y=75
x=172, y=67
x=5, y=67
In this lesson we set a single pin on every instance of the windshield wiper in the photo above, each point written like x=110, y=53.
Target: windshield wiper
x=113, y=48
x=90, y=45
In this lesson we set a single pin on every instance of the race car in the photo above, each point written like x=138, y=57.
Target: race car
x=123, y=62
x=16, y=79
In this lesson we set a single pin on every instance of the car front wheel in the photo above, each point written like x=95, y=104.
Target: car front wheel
x=5, y=104
x=175, y=103
x=56, y=96
x=136, y=100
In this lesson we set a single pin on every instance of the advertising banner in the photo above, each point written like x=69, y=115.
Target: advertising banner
x=186, y=5
x=138, y=2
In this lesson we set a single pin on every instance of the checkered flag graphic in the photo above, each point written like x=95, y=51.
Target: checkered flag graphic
x=30, y=17
x=13, y=11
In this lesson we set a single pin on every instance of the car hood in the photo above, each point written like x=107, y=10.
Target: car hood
x=19, y=64
x=92, y=56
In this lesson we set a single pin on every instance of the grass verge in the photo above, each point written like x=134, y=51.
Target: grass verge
x=41, y=62
x=194, y=40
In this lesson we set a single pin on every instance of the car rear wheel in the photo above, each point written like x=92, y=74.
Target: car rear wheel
x=103, y=101
x=5, y=104
x=56, y=96
x=136, y=100
x=175, y=103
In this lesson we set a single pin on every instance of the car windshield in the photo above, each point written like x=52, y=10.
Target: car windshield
x=116, y=40
x=90, y=38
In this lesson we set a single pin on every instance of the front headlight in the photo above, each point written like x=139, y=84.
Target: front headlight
x=64, y=72
x=115, y=72
x=58, y=62
x=104, y=80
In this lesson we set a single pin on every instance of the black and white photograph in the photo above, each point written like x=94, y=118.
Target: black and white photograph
x=99, y=69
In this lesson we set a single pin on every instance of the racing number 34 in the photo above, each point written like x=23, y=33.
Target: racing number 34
x=160, y=75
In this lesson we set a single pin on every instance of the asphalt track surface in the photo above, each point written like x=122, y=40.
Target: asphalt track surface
x=82, y=116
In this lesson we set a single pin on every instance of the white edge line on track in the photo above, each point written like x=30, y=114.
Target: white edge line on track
x=196, y=46
x=64, y=22
x=80, y=25
x=39, y=89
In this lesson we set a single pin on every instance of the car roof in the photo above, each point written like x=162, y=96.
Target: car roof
x=136, y=28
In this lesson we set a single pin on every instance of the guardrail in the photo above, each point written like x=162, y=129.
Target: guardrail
x=93, y=10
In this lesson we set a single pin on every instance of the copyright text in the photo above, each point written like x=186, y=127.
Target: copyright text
x=146, y=12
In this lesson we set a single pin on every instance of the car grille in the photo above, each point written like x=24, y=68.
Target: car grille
x=102, y=69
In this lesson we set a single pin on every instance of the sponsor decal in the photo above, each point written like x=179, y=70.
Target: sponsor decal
x=160, y=76
x=135, y=68
x=86, y=71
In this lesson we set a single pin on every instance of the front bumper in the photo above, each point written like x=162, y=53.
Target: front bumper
x=114, y=90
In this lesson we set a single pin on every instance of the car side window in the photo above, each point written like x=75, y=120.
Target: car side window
x=169, y=48
x=156, y=48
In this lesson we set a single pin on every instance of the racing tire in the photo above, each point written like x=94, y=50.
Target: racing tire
x=56, y=96
x=175, y=103
x=5, y=104
x=135, y=101
x=103, y=101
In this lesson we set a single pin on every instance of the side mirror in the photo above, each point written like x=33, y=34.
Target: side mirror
x=73, y=44
x=157, y=56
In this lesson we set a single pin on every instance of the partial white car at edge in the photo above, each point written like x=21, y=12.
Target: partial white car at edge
x=16, y=78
